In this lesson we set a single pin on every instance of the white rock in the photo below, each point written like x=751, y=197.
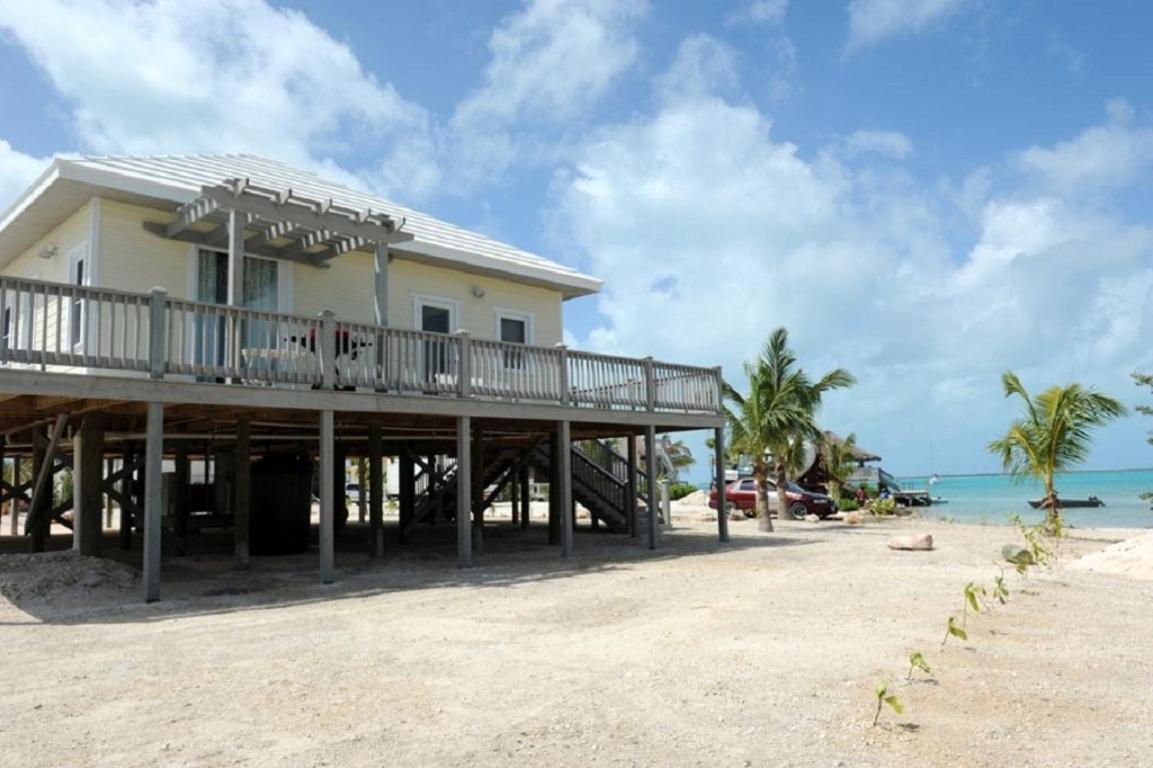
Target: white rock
x=812, y=519
x=916, y=542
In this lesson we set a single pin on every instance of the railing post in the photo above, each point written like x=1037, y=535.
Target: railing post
x=464, y=364
x=650, y=385
x=565, y=398
x=157, y=332
x=327, y=350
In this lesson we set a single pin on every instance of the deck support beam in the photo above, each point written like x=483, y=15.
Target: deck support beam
x=525, y=498
x=242, y=494
x=631, y=486
x=127, y=489
x=554, y=513
x=719, y=464
x=153, y=500
x=407, y=483
x=651, y=496
x=14, y=502
x=375, y=491
x=463, y=491
x=477, y=480
x=564, y=472
x=327, y=495
x=181, y=496
x=40, y=511
x=87, y=509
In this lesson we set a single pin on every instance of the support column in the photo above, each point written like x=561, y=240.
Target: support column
x=525, y=497
x=407, y=483
x=554, y=491
x=564, y=471
x=514, y=497
x=153, y=501
x=242, y=494
x=181, y=498
x=380, y=261
x=719, y=464
x=87, y=459
x=127, y=490
x=327, y=495
x=375, y=492
x=463, y=491
x=477, y=479
x=14, y=503
x=651, y=496
x=631, y=486
x=39, y=506
x=109, y=469
x=362, y=490
x=340, y=482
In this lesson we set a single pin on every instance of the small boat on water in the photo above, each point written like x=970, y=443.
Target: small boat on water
x=1092, y=501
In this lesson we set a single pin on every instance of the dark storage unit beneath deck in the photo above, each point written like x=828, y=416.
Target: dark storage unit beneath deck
x=281, y=505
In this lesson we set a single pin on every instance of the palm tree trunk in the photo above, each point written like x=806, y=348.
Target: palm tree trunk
x=783, y=512
x=764, y=520
x=1053, y=508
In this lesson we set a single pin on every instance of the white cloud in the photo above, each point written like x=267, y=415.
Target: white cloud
x=770, y=15
x=892, y=144
x=710, y=232
x=229, y=76
x=871, y=21
x=17, y=170
x=1111, y=155
x=702, y=65
x=550, y=63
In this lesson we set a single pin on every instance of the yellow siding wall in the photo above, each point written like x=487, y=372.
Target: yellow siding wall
x=133, y=259
x=68, y=237
x=347, y=289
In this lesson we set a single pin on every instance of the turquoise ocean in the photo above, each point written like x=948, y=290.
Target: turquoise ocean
x=993, y=498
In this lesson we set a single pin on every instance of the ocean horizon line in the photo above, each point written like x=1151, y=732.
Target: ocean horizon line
x=1010, y=474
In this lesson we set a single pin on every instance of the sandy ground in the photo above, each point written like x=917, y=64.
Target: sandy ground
x=763, y=652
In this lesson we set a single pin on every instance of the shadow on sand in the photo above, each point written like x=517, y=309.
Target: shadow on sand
x=206, y=582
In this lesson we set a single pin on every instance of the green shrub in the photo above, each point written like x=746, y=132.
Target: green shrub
x=681, y=490
x=882, y=507
x=847, y=504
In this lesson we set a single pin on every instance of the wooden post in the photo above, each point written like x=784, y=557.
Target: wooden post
x=631, y=486
x=327, y=495
x=362, y=489
x=463, y=491
x=126, y=492
x=242, y=493
x=87, y=459
x=514, y=496
x=525, y=498
x=651, y=468
x=407, y=491
x=380, y=273
x=375, y=491
x=153, y=501
x=42, y=494
x=477, y=480
x=182, y=498
x=235, y=286
x=722, y=513
x=554, y=491
x=10, y=504
x=340, y=483
x=157, y=333
x=14, y=523
x=564, y=472
x=40, y=530
x=109, y=468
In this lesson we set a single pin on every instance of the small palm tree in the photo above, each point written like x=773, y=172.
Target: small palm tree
x=840, y=462
x=1053, y=434
x=776, y=416
x=680, y=457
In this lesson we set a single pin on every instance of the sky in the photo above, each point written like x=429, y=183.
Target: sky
x=925, y=192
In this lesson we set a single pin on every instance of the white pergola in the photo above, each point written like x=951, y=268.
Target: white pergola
x=248, y=218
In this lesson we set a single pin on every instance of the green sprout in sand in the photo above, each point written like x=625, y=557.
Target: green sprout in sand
x=917, y=661
x=883, y=698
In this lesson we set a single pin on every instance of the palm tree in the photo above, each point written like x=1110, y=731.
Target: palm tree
x=777, y=416
x=679, y=455
x=840, y=461
x=1052, y=435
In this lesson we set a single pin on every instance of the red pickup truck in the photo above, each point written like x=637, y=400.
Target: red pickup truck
x=742, y=494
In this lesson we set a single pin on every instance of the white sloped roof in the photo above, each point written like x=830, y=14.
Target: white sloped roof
x=179, y=179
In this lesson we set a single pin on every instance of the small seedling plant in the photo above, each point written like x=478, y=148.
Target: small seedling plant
x=954, y=630
x=883, y=698
x=973, y=594
x=1000, y=591
x=917, y=661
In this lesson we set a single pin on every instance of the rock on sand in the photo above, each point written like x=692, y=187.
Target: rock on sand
x=919, y=542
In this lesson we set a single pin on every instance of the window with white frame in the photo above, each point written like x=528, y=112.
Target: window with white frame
x=513, y=327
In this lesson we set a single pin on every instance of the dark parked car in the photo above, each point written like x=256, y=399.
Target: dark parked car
x=742, y=494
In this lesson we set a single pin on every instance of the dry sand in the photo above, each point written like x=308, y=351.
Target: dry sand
x=764, y=652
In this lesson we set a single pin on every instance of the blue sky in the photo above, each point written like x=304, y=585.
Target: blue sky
x=923, y=191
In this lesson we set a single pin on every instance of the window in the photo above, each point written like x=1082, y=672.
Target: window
x=513, y=328
x=435, y=315
x=748, y=485
x=76, y=315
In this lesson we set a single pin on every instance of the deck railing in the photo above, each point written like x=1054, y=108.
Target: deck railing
x=46, y=324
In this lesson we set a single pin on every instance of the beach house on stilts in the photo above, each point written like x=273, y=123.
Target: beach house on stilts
x=254, y=325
